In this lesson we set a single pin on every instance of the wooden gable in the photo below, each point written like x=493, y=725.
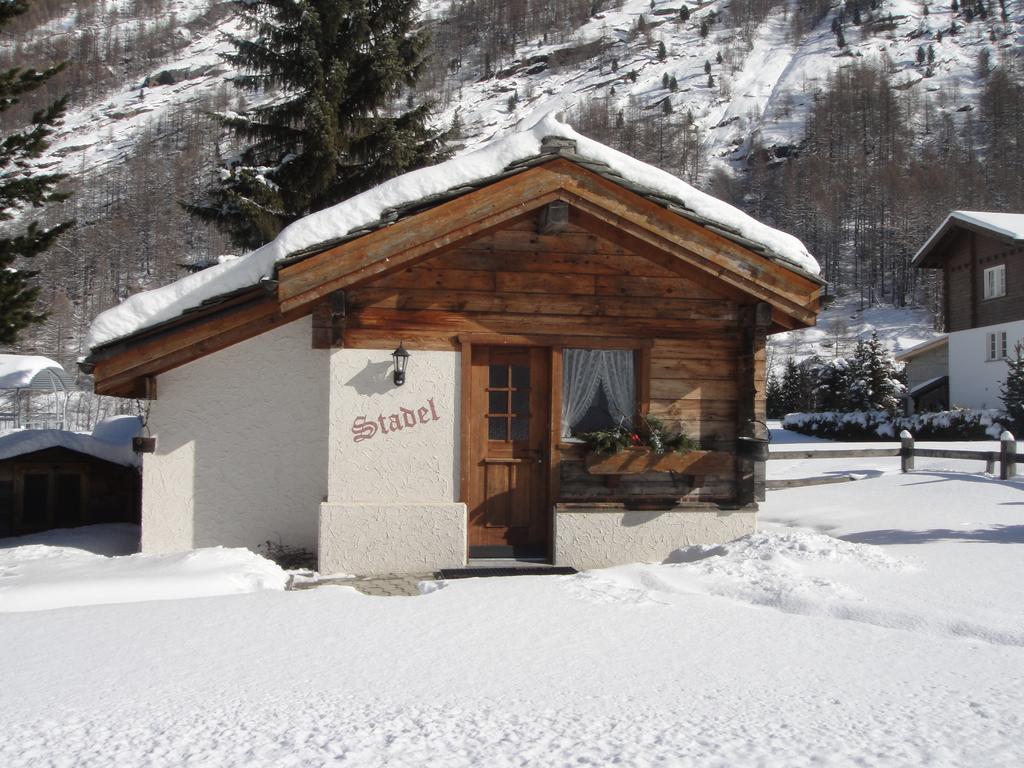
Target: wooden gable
x=613, y=264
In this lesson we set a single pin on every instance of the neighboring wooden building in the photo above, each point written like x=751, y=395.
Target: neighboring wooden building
x=51, y=478
x=563, y=287
x=980, y=255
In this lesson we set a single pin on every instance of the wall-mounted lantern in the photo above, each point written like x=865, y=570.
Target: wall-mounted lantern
x=401, y=358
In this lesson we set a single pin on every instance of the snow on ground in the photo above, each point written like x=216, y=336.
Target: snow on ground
x=90, y=566
x=870, y=623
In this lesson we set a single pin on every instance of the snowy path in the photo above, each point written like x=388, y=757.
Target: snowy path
x=871, y=623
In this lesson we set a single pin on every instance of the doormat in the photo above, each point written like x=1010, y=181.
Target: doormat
x=473, y=573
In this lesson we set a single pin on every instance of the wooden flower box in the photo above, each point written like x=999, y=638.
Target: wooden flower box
x=638, y=461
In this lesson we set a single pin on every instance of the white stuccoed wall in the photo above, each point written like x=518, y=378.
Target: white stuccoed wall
x=241, y=451
x=973, y=381
x=392, y=503
x=602, y=538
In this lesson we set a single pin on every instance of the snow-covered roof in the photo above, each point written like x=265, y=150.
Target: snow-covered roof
x=32, y=371
x=371, y=209
x=928, y=386
x=1009, y=226
x=924, y=346
x=111, y=440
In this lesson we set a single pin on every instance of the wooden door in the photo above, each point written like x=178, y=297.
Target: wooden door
x=508, y=496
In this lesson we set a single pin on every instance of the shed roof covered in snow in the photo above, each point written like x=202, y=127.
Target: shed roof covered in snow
x=111, y=441
x=1004, y=226
x=427, y=187
x=423, y=214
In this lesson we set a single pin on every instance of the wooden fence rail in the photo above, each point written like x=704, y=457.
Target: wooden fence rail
x=1006, y=455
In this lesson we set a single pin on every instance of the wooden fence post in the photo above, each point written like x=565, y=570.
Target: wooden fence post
x=1007, y=455
x=906, y=451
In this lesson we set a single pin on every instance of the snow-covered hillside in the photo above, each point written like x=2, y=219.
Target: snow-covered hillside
x=761, y=88
x=843, y=323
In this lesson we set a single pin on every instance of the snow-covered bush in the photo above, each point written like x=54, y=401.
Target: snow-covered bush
x=867, y=380
x=1012, y=390
x=880, y=425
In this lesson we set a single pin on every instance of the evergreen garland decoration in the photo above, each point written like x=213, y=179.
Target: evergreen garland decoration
x=649, y=432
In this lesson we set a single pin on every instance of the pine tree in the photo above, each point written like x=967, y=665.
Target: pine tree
x=21, y=188
x=1012, y=390
x=339, y=66
x=684, y=13
x=662, y=51
x=664, y=80
x=666, y=107
x=707, y=67
x=704, y=29
x=673, y=84
x=774, y=405
x=797, y=387
x=882, y=376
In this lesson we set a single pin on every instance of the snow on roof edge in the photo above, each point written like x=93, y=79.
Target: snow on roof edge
x=924, y=346
x=153, y=307
x=23, y=441
x=991, y=220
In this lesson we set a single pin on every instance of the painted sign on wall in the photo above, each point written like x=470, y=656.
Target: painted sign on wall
x=406, y=418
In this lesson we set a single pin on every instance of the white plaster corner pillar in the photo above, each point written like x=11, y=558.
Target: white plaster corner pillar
x=392, y=480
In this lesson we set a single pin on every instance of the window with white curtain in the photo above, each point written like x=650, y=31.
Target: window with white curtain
x=598, y=389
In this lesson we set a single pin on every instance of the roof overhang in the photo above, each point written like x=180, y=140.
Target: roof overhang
x=653, y=229
x=920, y=349
x=929, y=255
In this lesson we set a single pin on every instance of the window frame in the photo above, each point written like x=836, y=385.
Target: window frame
x=996, y=346
x=641, y=383
x=994, y=288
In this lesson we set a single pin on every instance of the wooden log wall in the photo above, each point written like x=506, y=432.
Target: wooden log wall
x=516, y=281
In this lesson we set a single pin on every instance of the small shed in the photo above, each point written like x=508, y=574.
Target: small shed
x=542, y=286
x=51, y=478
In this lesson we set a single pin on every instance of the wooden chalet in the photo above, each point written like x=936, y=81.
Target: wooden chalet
x=561, y=278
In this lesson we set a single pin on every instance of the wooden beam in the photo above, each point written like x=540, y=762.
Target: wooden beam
x=329, y=322
x=554, y=340
x=680, y=259
x=417, y=237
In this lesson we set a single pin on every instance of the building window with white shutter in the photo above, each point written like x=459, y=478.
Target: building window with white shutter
x=995, y=346
x=995, y=282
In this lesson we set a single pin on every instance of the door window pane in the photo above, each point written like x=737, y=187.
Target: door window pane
x=497, y=429
x=497, y=402
x=520, y=376
x=521, y=402
x=521, y=428
x=498, y=376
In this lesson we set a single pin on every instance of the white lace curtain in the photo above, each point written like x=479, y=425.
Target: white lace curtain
x=584, y=372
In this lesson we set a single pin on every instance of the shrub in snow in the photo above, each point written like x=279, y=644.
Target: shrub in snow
x=287, y=556
x=868, y=380
x=881, y=425
x=1012, y=390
